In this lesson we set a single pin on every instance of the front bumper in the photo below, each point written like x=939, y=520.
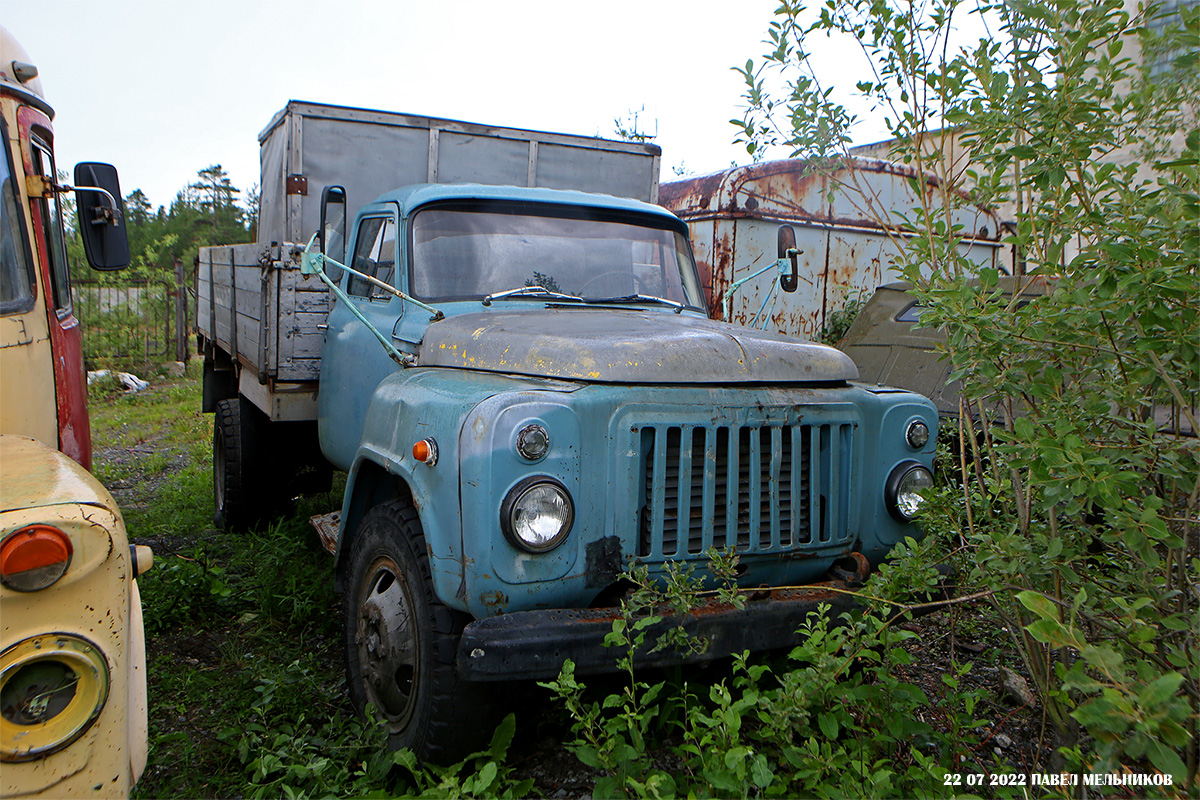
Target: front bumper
x=534, y=644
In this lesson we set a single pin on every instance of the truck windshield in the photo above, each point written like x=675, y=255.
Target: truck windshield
x=462, y=254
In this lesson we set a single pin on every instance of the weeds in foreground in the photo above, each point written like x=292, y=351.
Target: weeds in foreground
x=309, y=755
x=835, y=720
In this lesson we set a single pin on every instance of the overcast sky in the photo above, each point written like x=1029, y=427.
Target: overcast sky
x=164, y=88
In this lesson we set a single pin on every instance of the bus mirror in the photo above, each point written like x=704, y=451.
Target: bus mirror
x=101, y=215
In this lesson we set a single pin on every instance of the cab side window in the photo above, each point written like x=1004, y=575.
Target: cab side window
x=374, y=255
x=50, y=212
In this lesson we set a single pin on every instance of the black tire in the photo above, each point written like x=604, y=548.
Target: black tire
x=229, y=496
x=401, y=642
x=246, y=490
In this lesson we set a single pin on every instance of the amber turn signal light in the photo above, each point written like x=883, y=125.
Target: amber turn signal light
x=34, y=558
x=426, y=452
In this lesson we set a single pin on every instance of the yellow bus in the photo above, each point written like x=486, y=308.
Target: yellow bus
x=72, y=652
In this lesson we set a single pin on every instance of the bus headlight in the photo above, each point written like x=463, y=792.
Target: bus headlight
x=52, y=688
x=537, y=514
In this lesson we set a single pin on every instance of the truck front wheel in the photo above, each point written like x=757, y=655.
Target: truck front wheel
x=401, y=641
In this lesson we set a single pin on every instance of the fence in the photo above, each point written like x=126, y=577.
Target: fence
x=133, y=324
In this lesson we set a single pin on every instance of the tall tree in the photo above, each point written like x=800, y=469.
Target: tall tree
x=214, y=197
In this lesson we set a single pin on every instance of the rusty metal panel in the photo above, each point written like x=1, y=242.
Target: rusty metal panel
x=781, y=190
x=751, y=246
x=857, y=264
x=702, y=248
x=733, y=217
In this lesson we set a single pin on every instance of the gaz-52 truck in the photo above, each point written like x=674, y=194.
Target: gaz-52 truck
x=511, y=358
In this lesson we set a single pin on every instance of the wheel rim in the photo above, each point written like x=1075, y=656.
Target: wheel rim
x=385, y=636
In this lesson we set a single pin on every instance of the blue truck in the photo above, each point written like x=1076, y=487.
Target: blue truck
x=523, y=385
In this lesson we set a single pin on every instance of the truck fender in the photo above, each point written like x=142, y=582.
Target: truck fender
x=370, y=483
x=380, y=476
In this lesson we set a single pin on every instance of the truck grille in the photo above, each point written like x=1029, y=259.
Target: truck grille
x=758, y=489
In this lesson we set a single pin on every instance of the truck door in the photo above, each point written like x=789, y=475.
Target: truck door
x=50, y=256
x=349, y=378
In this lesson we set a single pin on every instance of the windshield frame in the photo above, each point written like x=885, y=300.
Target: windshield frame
x=689, y=283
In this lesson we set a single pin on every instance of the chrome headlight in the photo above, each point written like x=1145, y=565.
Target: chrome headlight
x=904, y=487
x=537, y=514
x=917, y=434
x=533, y=442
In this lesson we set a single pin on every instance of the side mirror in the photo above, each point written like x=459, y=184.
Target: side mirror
x=101, y=214
x=787, y=250
x=332, y=235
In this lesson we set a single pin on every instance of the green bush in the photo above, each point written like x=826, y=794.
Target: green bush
x=1078, y=500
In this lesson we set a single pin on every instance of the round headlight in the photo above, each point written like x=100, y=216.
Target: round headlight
x=537, y=514
x=917, y=434
x=533, y=441
x=52, y=688
x=904, y=487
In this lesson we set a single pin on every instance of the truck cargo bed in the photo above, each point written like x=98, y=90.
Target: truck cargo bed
x=253, y=302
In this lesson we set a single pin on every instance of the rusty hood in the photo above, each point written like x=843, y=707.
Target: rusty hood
x=625, y=346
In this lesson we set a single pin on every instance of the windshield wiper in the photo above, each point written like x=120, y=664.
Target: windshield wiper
x=529, y=291
x=638, y=298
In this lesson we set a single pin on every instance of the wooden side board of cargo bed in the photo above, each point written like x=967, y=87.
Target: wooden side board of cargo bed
x=255, y=306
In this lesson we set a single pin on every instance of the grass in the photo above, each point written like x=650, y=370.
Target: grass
x=151, y=450
x=230, y=618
